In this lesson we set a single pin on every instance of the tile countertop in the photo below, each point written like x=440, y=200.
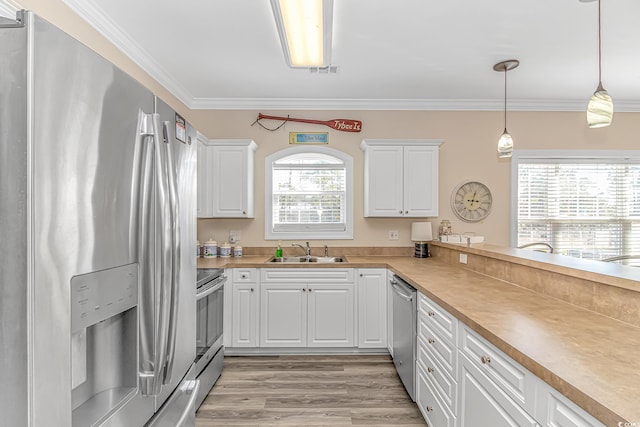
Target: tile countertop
x=592, y=359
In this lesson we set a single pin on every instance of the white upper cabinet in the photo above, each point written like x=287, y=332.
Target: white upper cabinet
x=226, y=178
x=400, y=177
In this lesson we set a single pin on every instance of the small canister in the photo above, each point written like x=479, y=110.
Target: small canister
x=198, y=253
x=225, y=250
x=237, y=251
x=210, y=248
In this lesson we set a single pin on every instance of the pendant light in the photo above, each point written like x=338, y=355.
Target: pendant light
x=600, y=108
x=505, y=143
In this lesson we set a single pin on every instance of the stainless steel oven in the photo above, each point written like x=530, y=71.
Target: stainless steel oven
x=209, y=314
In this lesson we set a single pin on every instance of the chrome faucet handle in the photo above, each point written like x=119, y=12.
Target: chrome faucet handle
x=326, y=250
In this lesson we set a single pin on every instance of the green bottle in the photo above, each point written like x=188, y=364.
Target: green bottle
x=279, y=250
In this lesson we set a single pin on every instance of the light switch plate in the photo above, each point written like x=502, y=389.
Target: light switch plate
x=463, y=258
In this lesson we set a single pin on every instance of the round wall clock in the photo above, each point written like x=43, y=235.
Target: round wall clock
x=471, y=201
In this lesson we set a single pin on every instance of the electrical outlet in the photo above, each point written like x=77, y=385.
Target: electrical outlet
x=463, y=258
x=234, y=236
x=394, y=235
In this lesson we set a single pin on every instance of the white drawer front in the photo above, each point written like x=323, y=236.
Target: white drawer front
x=443, y=349
x=433, y=409
x=555, y=410
x=514, y=379
x=442, y=320
x=437, y=375
x=245, y=275
x=307, y=275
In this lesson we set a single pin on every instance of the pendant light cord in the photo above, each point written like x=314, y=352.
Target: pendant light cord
x=599, y=46
x=505, y=98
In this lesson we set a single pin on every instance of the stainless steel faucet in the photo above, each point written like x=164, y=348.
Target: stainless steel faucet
x=307, y=250
x=326, y=251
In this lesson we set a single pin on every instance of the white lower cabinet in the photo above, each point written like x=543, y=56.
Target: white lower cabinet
x=372, y=307
x=242, y=308
x=244, y=315
x=283, y=315
x=433, y=409
x=299, y=308
x=483, y=402
x=555, y=410
x=461, y=378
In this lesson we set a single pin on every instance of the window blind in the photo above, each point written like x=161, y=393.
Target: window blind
x=309, y=196
x=583, y=208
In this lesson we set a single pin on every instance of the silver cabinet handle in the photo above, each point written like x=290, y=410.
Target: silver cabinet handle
x=430, y=370
x=251, y=289
x=431, y=314
x=429, y=408
x=485, y=359
x=431, y=340
x=400, y=211
x=309, y=290
x=406, y=212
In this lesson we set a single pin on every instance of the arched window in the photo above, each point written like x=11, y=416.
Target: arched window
x=309, y=194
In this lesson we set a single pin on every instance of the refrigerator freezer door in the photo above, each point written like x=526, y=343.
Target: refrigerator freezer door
x=180, y=138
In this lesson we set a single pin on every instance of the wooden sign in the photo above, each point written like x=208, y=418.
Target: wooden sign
x=344, y=125
x=308, y=137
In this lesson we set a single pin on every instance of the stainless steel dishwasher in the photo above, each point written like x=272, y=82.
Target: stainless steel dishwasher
x=404, y=332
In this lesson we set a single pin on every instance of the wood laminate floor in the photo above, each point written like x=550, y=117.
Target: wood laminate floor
x=309, y=391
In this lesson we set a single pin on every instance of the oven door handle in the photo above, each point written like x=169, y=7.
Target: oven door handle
x=210, y=290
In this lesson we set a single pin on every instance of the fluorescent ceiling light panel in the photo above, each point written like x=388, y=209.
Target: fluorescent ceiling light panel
x=304, y=27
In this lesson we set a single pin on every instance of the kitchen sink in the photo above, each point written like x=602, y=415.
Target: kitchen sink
x=304, y=259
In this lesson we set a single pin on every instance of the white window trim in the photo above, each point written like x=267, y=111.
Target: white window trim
x=604, y=156
x=270, y=234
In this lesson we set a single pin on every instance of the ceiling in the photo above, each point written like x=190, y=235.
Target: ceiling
x=390, y=54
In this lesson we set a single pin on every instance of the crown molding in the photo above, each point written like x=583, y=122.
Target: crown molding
x=399, y=104
x=8, y=8
x=113, y=33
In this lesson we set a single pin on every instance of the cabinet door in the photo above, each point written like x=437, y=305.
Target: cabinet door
x=420, y=181
x=205, y=181
x=383, y=178
x=244, y=315
x=434, y=411
x=230, y=183
x=331, y=315
x=283, y=315
x=481, y=399
x=372, y=308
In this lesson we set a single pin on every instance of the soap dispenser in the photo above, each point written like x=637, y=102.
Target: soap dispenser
x=279, y=250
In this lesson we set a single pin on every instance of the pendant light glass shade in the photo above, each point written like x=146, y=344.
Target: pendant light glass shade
x=505, y=143
x=600, y=107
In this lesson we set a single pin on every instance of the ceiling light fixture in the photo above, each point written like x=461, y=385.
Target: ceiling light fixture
x=304, y=27
x=600, y=108
x=505, y=143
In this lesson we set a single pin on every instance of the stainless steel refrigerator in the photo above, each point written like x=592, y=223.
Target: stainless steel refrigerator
x=97, y=224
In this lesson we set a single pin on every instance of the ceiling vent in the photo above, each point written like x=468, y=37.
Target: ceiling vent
x=331, y=69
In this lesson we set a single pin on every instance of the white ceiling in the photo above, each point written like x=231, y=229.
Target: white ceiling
x=391, y=54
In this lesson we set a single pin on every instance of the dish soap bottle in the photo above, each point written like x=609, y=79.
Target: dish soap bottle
x=279, y=250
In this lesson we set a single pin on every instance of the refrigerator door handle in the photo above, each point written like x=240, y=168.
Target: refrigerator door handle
x=156, y=323
x=175, y=253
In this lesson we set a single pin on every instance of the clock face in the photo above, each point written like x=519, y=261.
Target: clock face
x=471, y=201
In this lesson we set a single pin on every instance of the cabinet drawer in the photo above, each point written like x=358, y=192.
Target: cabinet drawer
x=482, y=399
x=307, y=275
x=509, y=375
x=245, y=275
x=439, y=378
x=433, y=409
x=439, y=318
x=553, y=410
x=443, y=350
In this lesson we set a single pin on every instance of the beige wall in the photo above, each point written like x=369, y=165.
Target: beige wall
x=468, y=152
